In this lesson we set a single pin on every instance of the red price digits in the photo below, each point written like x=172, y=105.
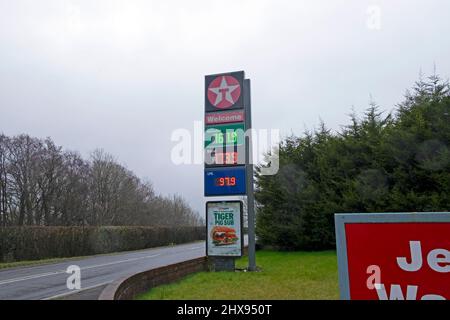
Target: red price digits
x=226, y=181
x=231, y=158
x=227, y=158
x=220, y=182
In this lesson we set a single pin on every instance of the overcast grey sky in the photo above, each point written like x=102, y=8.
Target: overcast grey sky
x=122, y=75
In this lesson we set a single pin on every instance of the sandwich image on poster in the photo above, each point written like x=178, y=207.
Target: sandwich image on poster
x=224, y=234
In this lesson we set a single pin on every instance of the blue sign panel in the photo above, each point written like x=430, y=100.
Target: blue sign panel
x=225, y=181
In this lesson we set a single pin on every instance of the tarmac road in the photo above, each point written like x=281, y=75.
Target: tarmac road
x=49, y=281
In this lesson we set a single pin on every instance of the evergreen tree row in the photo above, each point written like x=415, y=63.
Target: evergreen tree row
x=399, y=162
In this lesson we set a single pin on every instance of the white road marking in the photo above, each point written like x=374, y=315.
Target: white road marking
x=84, y=268
x=75, y=291
x=30, y=277
x=120, y=261
x=195, y=248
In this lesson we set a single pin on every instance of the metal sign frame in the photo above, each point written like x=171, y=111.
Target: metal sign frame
x=242, y=106
x=341, y=219
x=238, y=149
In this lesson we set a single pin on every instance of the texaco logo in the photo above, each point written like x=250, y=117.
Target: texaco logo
x=224, y=91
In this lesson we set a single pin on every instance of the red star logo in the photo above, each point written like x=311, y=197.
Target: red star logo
x=224, y=91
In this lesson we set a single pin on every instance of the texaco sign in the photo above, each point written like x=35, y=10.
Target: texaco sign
x=224, y=92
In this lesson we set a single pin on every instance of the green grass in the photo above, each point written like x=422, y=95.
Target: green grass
x=283, y=275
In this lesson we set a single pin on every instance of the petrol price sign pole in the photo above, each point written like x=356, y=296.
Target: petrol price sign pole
x=228, y=171
x=249, y=178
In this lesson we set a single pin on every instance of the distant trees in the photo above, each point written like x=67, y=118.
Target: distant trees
x=393, y=163
x=41, y=184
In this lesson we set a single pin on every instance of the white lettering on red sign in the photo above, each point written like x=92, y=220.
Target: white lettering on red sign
x=398, y=260
x=224, y=117
x=437, y=259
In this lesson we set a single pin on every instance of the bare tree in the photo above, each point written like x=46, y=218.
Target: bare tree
x=22, y=156
x=71, y=207
x=3, y=181
x=40, y=184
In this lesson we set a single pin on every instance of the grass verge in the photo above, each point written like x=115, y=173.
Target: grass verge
x=283, y=275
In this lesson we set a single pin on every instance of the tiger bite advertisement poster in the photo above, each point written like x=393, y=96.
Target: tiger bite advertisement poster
x=224, y=233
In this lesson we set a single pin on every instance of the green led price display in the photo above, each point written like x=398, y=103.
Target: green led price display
x=224, y=135
x=231, y=137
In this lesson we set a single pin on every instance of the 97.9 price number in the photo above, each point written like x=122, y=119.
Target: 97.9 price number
x=225, y=182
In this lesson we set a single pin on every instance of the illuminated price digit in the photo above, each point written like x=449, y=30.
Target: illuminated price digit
x=235, y=157
x=230, y=158
x=226, y=158
x=232, y=137
x=226, y=182
x=219, y=158
x=219, y=138
x=235, y=137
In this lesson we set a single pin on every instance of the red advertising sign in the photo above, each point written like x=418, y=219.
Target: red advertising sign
x=394, y=256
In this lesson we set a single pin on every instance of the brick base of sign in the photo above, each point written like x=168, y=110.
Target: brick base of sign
x=222, y=263
x=130, y=287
